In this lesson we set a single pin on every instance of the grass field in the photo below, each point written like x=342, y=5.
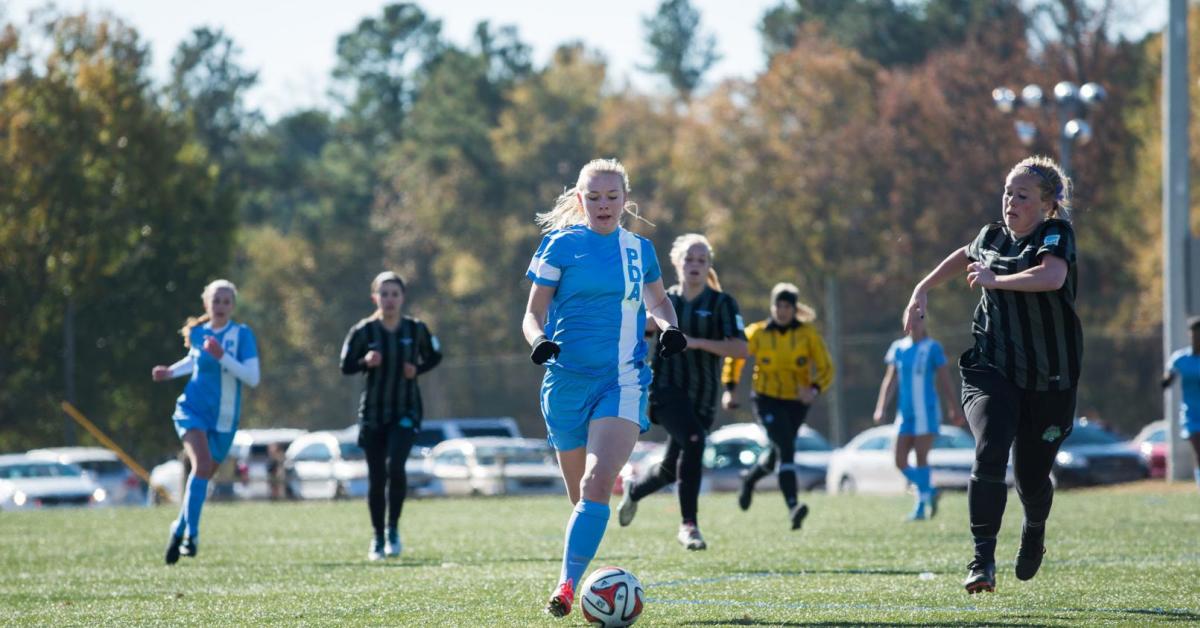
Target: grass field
x=1126, y=556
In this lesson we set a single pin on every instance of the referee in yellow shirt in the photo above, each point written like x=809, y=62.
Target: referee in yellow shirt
x=791, y=367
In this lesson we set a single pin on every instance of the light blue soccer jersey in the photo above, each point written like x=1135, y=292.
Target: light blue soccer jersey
x=1187, y=367
x=213, y=395
x=916, y=366
x=598, y=315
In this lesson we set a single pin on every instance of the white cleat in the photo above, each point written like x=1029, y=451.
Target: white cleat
x=689, y=537
x=392, y=546
x=628, y=507
x=376, y=552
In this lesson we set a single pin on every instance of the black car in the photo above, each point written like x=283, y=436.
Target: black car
x=1091, y=456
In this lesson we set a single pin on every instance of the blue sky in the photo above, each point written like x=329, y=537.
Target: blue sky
x=291, y=42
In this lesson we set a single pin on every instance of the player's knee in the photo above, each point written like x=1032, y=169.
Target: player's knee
x=205, y=469
x=988, y=471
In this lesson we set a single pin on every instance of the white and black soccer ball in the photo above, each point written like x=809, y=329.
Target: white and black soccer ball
x=611, y=597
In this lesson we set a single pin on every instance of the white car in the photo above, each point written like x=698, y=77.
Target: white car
x=325, y=465
x=494, y=466
x=251, y=456
x=867, y=463
x=104, y=467
x=420, y=483
x=27, y=482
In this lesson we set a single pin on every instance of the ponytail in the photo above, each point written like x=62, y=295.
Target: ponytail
x=192, y=323
x=713, y=281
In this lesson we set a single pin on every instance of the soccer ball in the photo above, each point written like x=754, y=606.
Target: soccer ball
x=612, y=597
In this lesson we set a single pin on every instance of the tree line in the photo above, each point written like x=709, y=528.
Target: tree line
x=865, y=151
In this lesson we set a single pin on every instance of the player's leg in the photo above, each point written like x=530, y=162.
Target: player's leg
x=992, y=407
x=782, y=432
x=374, y=443
x=400, y=441
x=1194, y=438
x=690, y=472
x=764, y=412
x=1046, y=419
x=926, y=493
x=904, y=444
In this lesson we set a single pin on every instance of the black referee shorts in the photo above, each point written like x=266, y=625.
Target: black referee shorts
x=781, y=418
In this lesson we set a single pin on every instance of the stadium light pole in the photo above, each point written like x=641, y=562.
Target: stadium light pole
x=1071, y=103
x=1176, y=229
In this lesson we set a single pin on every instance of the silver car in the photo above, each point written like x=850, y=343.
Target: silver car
x=494, y=466
x=27, y=482
x=104, y=467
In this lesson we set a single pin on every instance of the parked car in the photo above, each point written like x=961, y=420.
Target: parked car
x=420, y=483
x=734, y=448
x=1091, y=456
x=434, y=431
x=867, y=463
x=1151, y=443
x=326, y=465
x=646, y=454
x=494, y=466
x=28, y=482
x=122, y=485
x=251, y=456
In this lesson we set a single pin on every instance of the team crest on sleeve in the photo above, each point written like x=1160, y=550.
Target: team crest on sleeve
x=741, y=324
x=1051, y=240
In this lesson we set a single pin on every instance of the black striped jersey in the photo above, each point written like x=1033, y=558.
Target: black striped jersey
x=1033, y=338
x=712, y=315
x=388, y=396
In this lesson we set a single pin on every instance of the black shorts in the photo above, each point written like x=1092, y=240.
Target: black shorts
x=670, y=406
x=781, y=418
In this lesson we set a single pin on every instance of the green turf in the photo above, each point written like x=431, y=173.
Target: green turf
x=1115, y=557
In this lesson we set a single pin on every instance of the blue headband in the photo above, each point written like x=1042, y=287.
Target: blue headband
x=1043, y=173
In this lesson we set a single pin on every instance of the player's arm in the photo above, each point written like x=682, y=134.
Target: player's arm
x=429, y=351
x=886, y=389
x=1168, y=378
x=183, y=367
x=659, y=307
x=246, y=370
x=1049, y=275
x=533, y=326
x=354, y=350
x=954, y=264
x=946, y=388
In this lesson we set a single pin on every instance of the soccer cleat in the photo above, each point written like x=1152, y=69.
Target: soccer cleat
x=918, y=513
x=746, y=493
x=798, y=514
x=392, y=547
x=560, y=603
x=173, y=544
x=1029, y=555
x=377, y=547
x=981, y=576
x=934, y=497
x=189, y=548
x=689, y=537
x=628, y=507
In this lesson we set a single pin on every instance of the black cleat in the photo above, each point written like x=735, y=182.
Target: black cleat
x=1029, y=555
x=172, y=555
x=189, y=548
x=798, y=514
x=746, y=493
x=981, y=576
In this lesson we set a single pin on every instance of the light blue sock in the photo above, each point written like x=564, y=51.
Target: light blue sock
x=585, y=529
x=911, y=474
x=193, y=501
x=924, y=483
x=1197, y=472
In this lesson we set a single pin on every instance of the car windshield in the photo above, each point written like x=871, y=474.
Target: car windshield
x=1087, y=435
x=38, y=470
x=102, y=467
x=485, y=431
x=511, y=455
x=812, y=442
x=351, y=451
x=954, y=440
x=1157, y=436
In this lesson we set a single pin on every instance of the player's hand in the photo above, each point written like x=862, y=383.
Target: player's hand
x=671, y=342
x=915, y=309
x=728, y=401
x=213, y=347
x=372, y=359
x=956, y=417
x=980, y=276
x=410, y=370
x=543, y=350
x=809, y=395
x=160, y=373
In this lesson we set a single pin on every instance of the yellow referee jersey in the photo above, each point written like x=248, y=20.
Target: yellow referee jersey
x=787, y=359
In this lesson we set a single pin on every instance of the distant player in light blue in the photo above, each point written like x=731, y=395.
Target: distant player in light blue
x=1185, y=363
x=913, y=363
x=222, y=355
x=593, y=283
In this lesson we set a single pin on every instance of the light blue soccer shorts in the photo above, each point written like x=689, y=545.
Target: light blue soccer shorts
x=910, y=426
x=571, y=400
x=218, y=442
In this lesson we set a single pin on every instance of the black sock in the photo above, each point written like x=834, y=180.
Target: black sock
x=985, y=549
x=1033, y=533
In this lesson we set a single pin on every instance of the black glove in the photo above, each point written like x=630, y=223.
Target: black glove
x=671, y=342
x=543, y=349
